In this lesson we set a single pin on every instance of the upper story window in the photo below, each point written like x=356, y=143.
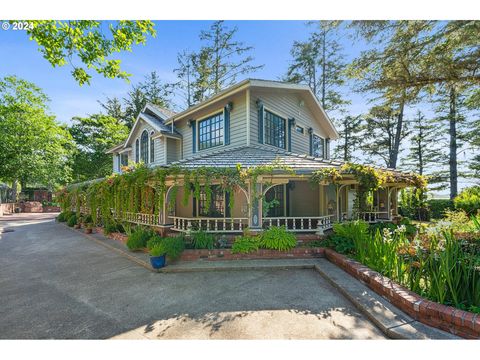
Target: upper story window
x=318, y=146
x=144, y=147
x=275, y=130
x=210, y=131
x=152, y=148
x=299, y=129
x=137, y=151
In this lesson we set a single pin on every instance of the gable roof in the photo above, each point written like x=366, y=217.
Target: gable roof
x=263, y=84
x=155, y=116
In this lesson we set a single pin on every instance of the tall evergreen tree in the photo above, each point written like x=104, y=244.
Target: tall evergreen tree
x=319, y=63
x=426, y=152
x=216, y=65
x=380, y=134
x=351, y=135
x=151, y=90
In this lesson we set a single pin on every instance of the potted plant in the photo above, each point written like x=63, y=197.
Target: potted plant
x=88, y=228
x=157, y=256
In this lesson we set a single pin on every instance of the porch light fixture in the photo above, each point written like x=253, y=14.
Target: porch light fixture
x=191, y=123
x=259, y=103
x=229, y=106
x=331, y=205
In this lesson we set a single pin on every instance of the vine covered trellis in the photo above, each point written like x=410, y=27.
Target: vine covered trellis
x=143, y=190
x=368, y=179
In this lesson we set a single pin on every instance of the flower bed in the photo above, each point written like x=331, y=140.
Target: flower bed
x=226, y=254
x=459, y=322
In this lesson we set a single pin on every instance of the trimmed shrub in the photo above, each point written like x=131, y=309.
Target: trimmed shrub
x=277, y=238
x=138, y=239
x=468, y=200
x=202, y=240
x=245, y=245
x=438, y=207
x=72, y=220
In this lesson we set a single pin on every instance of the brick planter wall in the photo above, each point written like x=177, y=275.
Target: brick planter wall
x=226, y=254
x=450, y=319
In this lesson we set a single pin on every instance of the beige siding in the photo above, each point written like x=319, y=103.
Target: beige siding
x=304, y=199
x=172, y=150
x=238, y=129
x=286, y=105
x=159, y=145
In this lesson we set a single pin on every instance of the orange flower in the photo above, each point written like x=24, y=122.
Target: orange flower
x=416, y=264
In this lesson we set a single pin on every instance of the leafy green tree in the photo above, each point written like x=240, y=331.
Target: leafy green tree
x=34, y=148
x=319, y=63
x=85, y=46
x=186, y=75
x=94, y=135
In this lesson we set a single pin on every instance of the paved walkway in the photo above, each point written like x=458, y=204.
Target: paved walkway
x=56, y=283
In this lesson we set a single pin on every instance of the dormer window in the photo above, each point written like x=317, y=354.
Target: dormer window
x=152, y=148
x=275, y=130
x=144, y=147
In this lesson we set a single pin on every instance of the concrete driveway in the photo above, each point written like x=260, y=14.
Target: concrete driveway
x=55, y=283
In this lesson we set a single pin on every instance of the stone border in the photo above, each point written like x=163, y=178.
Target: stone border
x=226, y=254
x=447, y=318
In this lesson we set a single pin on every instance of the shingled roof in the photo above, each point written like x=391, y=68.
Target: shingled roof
x=255, y=155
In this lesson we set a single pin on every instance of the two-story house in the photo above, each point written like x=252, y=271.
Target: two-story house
x=253, y=123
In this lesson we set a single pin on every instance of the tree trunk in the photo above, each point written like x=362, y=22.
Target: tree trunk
x=324, y=69
x=453, y=144
x=398, y=133
x=14, y=190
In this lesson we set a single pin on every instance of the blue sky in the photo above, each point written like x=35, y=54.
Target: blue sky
x=272, y=41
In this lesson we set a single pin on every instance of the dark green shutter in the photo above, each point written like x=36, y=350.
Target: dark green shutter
x=193, y=125
x=327, y=149
x=194, y=206
x=291, y=124
x=260, y=121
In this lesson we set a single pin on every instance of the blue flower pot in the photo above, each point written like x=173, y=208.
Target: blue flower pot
x=157, y=261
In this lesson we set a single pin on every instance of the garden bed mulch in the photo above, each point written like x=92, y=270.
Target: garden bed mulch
x=455, y=321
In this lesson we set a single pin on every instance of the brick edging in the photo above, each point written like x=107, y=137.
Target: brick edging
x=455, y=321
x=226, y=254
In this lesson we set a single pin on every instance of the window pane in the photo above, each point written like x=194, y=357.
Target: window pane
x=318, y=146
x=210, y=132
x=216, y=205
x=274, y=130
x=144, y=147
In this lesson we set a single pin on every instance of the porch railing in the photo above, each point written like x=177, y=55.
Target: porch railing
x=300, y=224
x=374, y=216
x=208, y=224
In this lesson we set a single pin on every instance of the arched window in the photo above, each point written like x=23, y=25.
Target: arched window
x=152, y=148
x=144, y=147
x=137, y=151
